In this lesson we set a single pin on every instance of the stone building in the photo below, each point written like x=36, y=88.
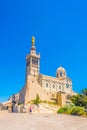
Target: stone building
x=48, y=88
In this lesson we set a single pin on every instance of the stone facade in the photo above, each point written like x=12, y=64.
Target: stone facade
x=47, y=87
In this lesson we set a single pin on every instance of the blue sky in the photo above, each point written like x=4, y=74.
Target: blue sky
x=60, y=30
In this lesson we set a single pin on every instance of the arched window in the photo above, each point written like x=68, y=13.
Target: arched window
x=36, y=62
x=59, y=87
x=67, y=85
x=53, y=86
x=61, y=74
x=46, y=85
x=33, y=61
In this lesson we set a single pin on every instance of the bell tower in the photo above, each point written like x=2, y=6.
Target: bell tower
x=32, y=61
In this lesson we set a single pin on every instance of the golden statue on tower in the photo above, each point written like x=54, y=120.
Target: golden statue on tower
x=33, y=41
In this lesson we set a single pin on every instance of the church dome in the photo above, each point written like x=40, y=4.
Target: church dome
x=61, y=72
x=61, y=69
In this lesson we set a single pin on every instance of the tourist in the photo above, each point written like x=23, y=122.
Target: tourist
x=30, y=109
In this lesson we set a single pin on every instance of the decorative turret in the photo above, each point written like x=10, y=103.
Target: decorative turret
x=61, y=72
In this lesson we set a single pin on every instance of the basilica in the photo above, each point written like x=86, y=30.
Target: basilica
x=48, y=88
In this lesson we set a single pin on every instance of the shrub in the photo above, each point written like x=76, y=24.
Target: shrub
x=67, y=109
x=73, y=110
x=62, y=110
x=37, y=100
x=78, y=111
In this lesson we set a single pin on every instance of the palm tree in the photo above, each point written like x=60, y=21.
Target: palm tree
x=84, y=92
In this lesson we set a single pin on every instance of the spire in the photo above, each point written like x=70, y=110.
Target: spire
x=33, y=41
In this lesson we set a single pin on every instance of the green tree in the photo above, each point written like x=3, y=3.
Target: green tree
x=80, y=99
x=77, y=100
x=37, y=100
x=84, y=92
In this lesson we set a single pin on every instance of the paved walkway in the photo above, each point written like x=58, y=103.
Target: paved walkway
x=42, y=122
